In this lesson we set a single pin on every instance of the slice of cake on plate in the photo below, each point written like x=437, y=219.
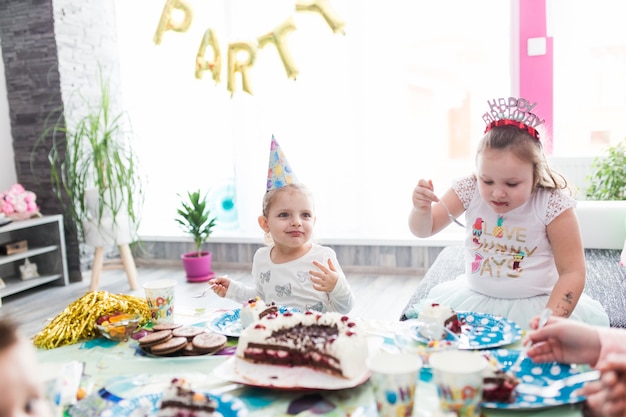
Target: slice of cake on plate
x=435, y=319
x=255, y=309
x=179, y=400
x=498, y=385
x=328, y=342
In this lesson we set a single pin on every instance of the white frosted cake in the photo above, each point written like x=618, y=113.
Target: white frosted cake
x=328, y=342
x=254, y=309
x=435, y=318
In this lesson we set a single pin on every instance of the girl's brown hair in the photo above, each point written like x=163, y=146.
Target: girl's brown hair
x=527, y=148
x=8, y=333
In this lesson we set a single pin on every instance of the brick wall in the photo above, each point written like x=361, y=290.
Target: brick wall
x=51, y=52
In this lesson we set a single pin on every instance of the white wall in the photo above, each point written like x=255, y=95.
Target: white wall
x=8, y=176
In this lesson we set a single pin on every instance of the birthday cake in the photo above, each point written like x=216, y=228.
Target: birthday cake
x=435, y=318
x=327, y=342
x=179, y=400
x=255, y=309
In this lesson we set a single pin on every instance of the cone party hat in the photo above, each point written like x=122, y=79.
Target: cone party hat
x=279, y=172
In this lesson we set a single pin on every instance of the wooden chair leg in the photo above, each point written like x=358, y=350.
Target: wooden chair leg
x=129, y=266
x=96, y=268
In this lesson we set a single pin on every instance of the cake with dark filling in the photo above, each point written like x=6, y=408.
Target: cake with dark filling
x=327, y=342
x=179, y=400
x=435, y=318
x=255, y=309
x=498, y=385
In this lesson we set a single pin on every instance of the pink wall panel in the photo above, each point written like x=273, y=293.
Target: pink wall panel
x=536, y=72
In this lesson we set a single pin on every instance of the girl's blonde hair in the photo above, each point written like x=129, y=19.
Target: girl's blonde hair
x=268, y=199
x=527, y=148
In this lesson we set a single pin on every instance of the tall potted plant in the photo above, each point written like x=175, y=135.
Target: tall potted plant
x=93, y=164
x=194, y=217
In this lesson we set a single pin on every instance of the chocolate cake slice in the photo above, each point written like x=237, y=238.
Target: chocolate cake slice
x=179, y=400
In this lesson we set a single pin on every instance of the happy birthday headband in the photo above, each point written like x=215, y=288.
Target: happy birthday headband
x=512, y=112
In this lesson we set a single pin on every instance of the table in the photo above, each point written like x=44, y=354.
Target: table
x=105, y=360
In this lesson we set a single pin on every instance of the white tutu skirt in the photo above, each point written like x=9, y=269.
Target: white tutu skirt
x=460, y=297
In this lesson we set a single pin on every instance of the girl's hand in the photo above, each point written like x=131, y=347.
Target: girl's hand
x=326, y=278
x=423, y=195
x=220, y=286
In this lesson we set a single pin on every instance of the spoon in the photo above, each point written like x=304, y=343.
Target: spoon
x=450, y=215
x=543, y=319
x=207, y=289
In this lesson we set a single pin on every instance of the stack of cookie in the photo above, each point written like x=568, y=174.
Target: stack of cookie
x=171, y=339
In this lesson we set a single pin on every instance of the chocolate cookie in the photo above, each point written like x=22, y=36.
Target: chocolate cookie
x=209, y=342
x=190, y=350
x=189, y=332
x=154, y=338
x=166, y=326
x=169, y=347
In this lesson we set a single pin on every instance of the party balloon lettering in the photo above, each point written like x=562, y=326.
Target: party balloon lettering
x=241, y=56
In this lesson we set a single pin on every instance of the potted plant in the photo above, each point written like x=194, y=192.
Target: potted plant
x=608, y=181
x=194, y=217
x=94, y=168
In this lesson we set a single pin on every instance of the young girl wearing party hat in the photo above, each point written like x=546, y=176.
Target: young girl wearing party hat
x=523, y=247
x=291, y=271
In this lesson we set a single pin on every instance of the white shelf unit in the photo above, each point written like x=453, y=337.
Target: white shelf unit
x=46, y=248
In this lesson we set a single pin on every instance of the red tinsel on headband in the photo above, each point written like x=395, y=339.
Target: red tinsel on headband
x=508, y=122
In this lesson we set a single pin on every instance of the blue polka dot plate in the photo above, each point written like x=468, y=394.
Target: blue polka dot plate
x=540, y=374
x=481, y=331
x=229, y=324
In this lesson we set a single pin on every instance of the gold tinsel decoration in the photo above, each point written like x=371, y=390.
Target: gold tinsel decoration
x=78, y=321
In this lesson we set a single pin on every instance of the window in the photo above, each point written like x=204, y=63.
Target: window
x=397, y=98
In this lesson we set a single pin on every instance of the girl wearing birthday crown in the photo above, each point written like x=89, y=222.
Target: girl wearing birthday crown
x=291, y=271
x=523, y=247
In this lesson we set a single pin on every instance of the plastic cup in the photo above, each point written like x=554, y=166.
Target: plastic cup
x=160, y=299
x=458, y=376
x=393, y=379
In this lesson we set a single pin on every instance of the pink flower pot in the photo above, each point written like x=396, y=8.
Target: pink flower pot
x=197, y=268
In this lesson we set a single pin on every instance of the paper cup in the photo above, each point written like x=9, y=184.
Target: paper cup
x=393, y=380
x=458, y=376
x=160, y=298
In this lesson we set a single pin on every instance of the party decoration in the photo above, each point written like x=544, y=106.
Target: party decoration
x=177, y=16
x=279, y=172
x=17, y=203
x=215, y=66
x=324, y=8
x=278, y=38
x=167, y=22
x=242, y=66
x=513, y=112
